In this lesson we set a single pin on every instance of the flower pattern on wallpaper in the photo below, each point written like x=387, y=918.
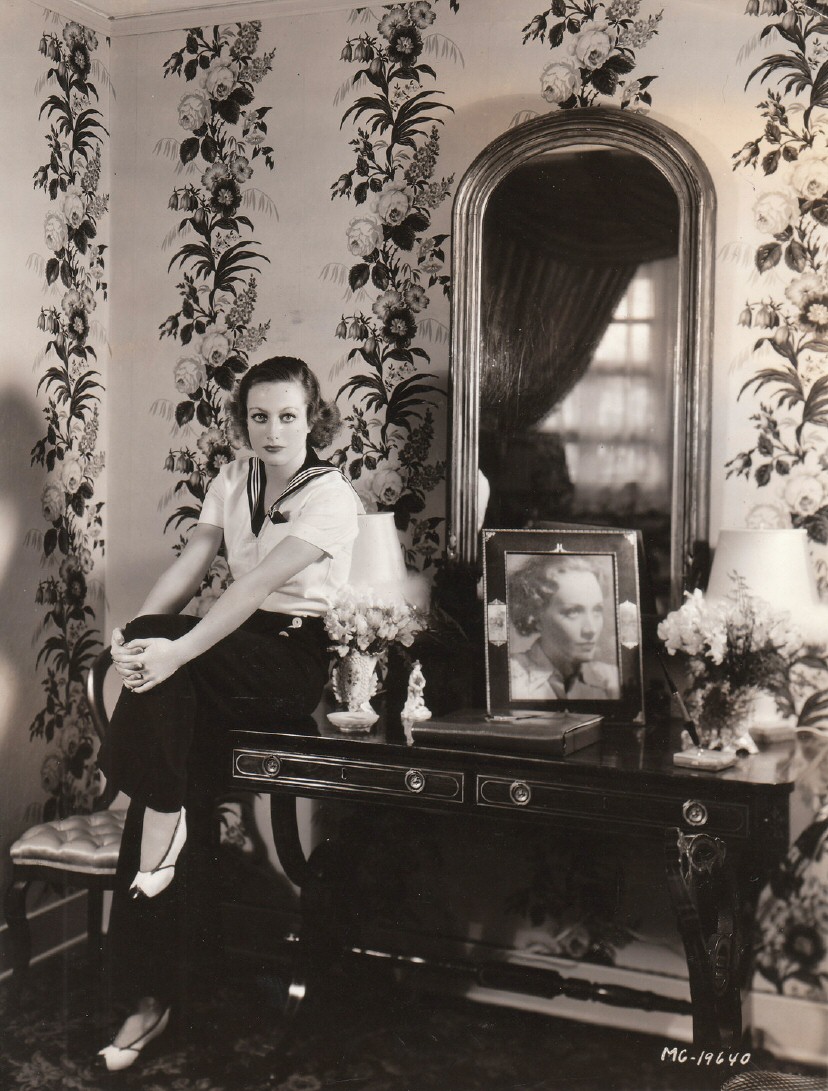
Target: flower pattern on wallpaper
x=594, y=47
x=792, y=932
x=73, y=542
x=397, y=259
x=216, y=255
x=793, y=919
x=787, y=462
x=788, y=459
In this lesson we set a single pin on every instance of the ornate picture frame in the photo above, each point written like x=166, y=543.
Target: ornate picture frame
x=563, y=622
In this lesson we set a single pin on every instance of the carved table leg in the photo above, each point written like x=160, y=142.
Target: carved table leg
x=705, y=898
x=286, y=838
x=323, y=880
x=291, y=855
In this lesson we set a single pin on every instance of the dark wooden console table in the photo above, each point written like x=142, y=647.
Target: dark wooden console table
x=722, y=834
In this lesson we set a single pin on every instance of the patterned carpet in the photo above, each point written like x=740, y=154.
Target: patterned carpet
x=366, y=1035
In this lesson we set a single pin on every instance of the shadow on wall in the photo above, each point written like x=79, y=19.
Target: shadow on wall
x=474, y=125
x=21, y=794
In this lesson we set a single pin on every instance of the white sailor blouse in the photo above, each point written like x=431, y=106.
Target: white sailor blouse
x=318, y=506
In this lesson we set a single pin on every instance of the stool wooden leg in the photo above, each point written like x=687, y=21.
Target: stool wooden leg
x=20, y=937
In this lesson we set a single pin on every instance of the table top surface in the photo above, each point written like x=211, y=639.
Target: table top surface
x=623, y=749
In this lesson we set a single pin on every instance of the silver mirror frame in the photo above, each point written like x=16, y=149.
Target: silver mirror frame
x=681, y=165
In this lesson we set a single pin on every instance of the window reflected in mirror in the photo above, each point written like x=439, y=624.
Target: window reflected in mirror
x=578, y=338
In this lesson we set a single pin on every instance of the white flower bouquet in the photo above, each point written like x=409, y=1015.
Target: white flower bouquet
x=735, y=649
x=370, y=624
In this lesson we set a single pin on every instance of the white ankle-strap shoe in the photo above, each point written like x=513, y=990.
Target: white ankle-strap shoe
x=120, y=1057
x=150, y=883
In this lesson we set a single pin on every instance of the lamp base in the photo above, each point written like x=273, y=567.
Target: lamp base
x=353, y=723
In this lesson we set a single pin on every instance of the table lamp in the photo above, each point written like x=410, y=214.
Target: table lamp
x=776, y=566
x=377, y=560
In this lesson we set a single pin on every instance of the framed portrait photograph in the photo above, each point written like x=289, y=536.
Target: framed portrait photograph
x=563, y=621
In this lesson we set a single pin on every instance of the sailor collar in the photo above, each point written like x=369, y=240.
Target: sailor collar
x=311, y=468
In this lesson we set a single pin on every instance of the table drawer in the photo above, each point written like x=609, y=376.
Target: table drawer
x=335, y=775
x=646, y=809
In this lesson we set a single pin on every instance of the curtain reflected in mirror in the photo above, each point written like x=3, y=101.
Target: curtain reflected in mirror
x=581, y=333
x=578, y=339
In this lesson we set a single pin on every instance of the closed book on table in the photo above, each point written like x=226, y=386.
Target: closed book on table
x=555, y=733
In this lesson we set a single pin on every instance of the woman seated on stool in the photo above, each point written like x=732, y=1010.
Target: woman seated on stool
x=259, y=659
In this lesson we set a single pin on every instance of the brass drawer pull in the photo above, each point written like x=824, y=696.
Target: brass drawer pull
x=271, y=765
x=520, y=793
x=415, y=781
x=695, y=813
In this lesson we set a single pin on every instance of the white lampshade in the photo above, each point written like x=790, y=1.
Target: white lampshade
x=774, y=564
x=377, y=560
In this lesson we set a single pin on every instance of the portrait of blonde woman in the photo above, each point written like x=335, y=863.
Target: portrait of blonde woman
x=563, y=638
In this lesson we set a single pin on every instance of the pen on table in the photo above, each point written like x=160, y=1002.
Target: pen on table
x=511, y=716
x=689, y=726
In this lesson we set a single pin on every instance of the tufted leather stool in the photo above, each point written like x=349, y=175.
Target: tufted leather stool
x=80, y=851
x=774, y=1081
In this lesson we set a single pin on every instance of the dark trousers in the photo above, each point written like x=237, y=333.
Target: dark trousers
x=164, y=750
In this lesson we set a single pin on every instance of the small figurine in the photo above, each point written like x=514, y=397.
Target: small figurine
x=414, y=709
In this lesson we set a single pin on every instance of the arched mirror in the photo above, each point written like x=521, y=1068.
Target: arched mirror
x=581, y=327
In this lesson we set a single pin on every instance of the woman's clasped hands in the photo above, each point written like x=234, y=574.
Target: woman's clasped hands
x=144, y=662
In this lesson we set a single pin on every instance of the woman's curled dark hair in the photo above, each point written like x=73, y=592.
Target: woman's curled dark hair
x=533, y=585
x=323, y=417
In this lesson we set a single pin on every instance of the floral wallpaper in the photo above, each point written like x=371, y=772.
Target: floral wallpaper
x=786, y=395
x=69, y=387
x=398, y=265
x=593, y=48
x=787, y=392
x=391, y=260
x=792, y=934
x=224, y=141
x=792, y=952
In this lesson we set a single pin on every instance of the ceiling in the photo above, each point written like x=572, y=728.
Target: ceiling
x=121, y=17
x=118, y=17
x=119, y=9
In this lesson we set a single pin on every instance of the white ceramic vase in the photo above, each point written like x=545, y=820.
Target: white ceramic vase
x=355, y=683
